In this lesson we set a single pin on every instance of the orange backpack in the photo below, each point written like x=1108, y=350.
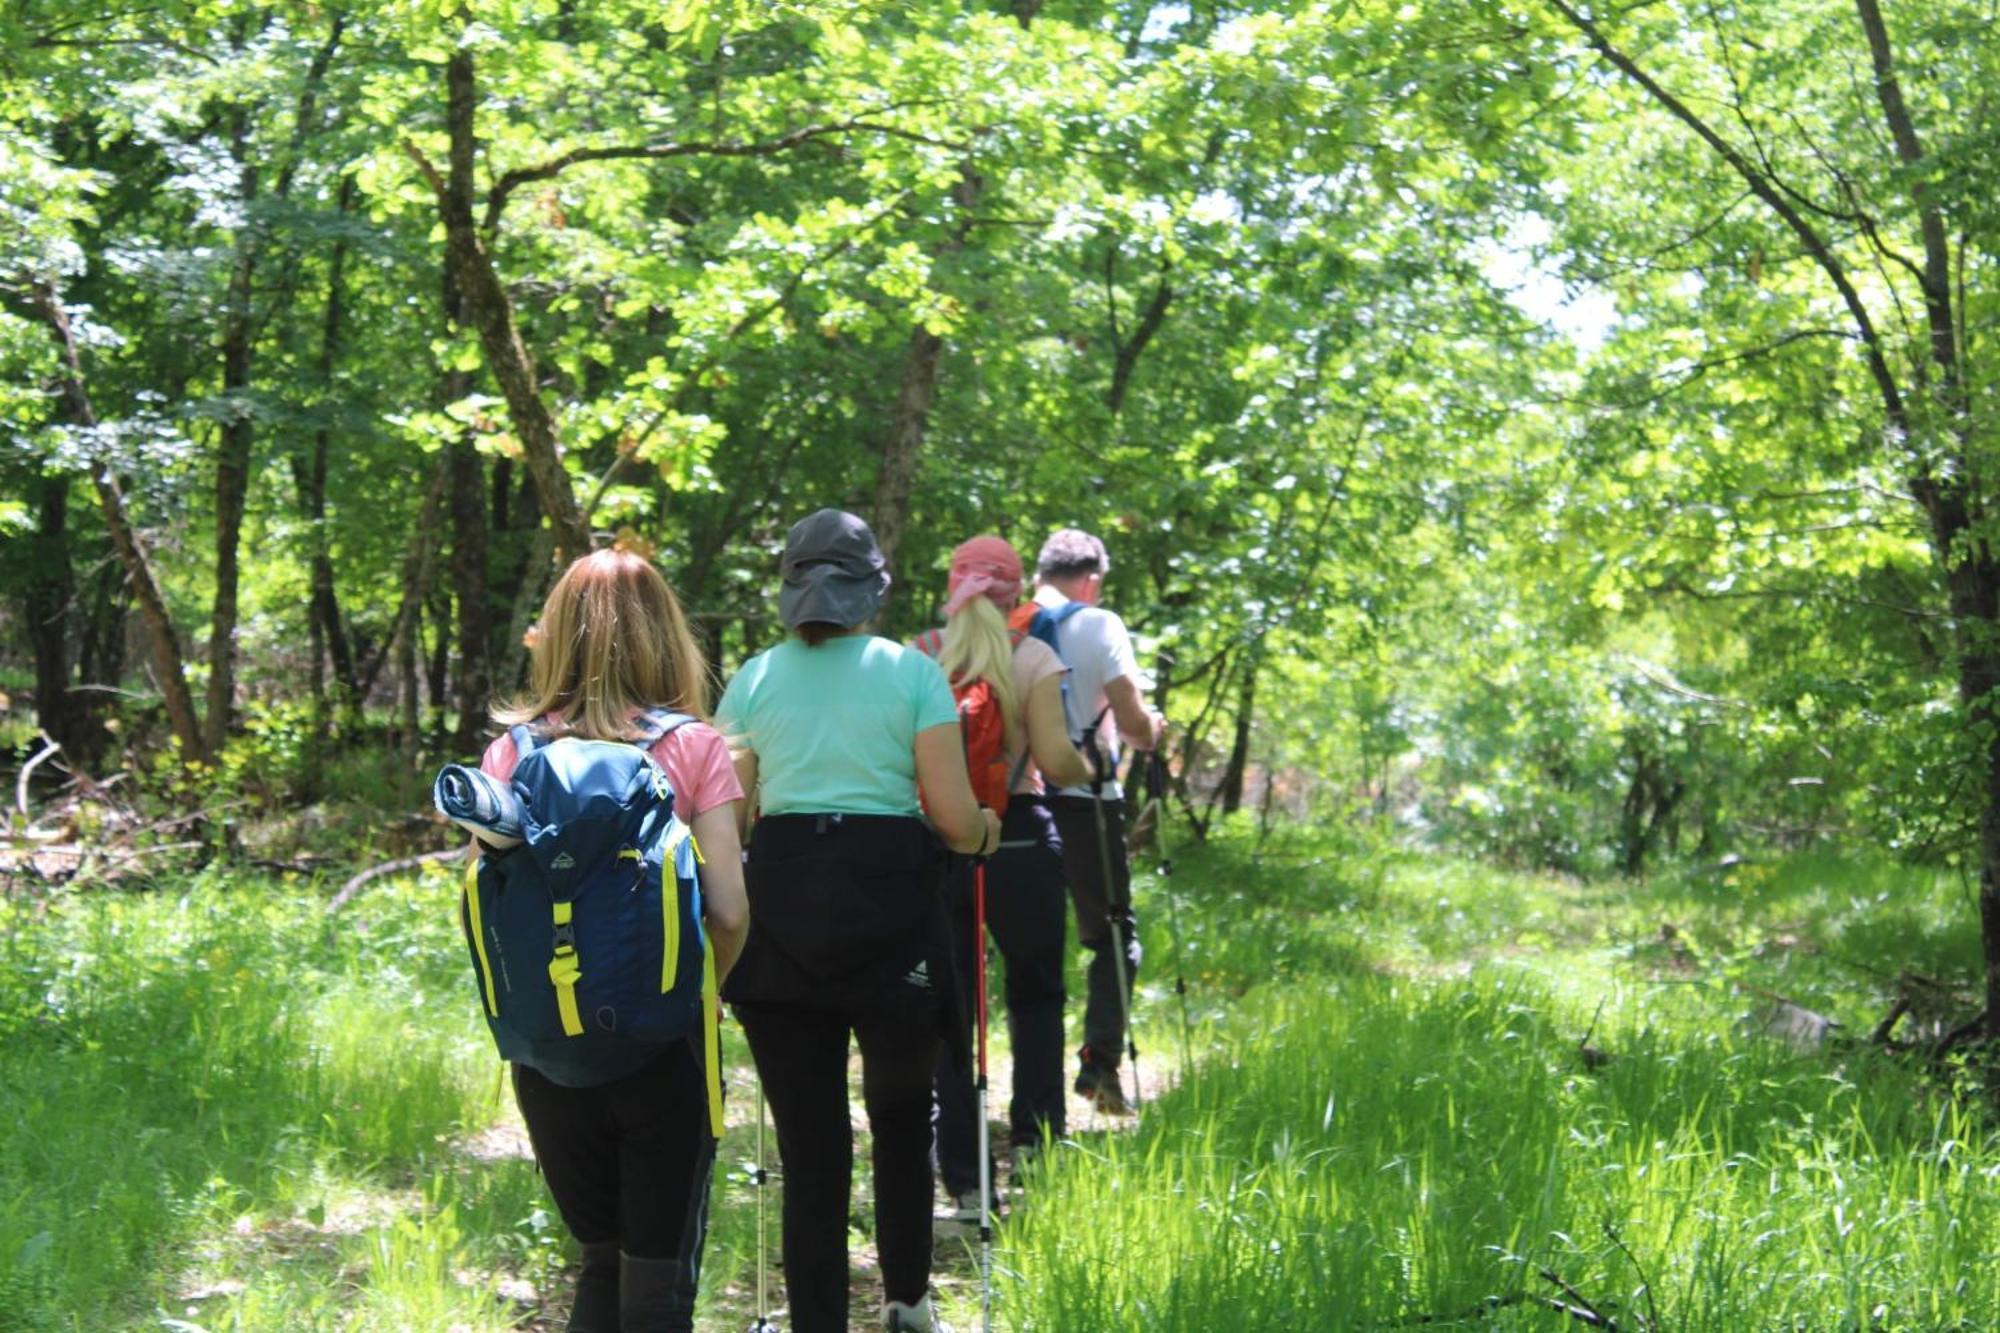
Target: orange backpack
x=983, y=726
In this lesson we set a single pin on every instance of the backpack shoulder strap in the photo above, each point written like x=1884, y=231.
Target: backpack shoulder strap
x=1061, y=615
x=930, y=643
x=526, y=741
x=659, y=724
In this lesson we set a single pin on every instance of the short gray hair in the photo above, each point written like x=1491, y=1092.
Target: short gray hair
x=1071, y=551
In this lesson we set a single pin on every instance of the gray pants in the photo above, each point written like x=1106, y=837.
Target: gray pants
x=1096, y=903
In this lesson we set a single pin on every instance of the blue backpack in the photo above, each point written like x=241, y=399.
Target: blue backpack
x=1041, y=622
x=588, y=939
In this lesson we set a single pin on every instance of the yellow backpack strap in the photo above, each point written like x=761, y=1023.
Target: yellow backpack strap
x=477, y=929
x=711, y=1037
x=565, y=970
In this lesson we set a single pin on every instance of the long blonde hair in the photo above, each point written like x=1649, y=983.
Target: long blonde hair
x=611, y=643
x=978, y=645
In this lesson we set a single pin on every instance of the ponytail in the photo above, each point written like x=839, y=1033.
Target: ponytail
x=977, y=646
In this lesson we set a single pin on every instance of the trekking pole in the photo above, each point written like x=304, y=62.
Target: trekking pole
x=762, y=1323
x=1156, y=792
x=985, y=1130
x=1112, y=912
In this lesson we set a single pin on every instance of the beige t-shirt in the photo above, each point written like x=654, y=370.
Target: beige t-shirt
x=1034, y=662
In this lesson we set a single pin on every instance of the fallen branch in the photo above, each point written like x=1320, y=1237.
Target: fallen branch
x=1479, y=1311
x=305, y=865
x=1880, y=1036
x=373, y=873
x=1582, y=1313
x=1582, y=1309
x=28, y=771
x=1645, y=1278
x=1962, y=1034
x=120, y=855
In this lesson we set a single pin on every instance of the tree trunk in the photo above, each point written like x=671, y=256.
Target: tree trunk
x=409, y=727
x=417, y=564
x=1950, y=494
x=232, y=459
x=1635, y=833
x=916, y=391
x=1231, y=790
x=474, y=677
x=437, y=660
x=1126, y=351
x=503, y=490
x=473, y=684
x=50, y=594
x=492, y=315
x=100, y=651
x=529, y=571
x=905, y=442
x=328, y=635
x=161, y=640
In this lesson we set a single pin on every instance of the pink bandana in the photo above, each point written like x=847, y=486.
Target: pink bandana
x=983, y=567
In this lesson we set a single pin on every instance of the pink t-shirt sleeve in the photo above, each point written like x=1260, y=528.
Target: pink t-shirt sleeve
x=696, y=761
x=694, y=756
x=499, y=759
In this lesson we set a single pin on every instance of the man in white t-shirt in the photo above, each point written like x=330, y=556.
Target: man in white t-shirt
x=1106, y=705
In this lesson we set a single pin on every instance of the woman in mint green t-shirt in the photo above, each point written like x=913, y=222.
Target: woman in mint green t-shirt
x=835, y=731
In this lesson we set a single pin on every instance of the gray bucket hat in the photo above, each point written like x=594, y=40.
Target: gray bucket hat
x=833, y=571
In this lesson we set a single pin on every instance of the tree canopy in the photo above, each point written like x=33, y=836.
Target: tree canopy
x=1564, y=429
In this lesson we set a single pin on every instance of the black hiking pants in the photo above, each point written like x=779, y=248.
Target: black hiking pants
x=847, y=941
x=1097, y=902
x=801, y=1056
x=1027, y=918
x=628, y=1164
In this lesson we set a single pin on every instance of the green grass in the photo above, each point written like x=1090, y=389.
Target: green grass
x=1391, y=1118
x=227, y=1113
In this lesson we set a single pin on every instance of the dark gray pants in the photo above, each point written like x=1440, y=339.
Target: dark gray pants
x=1025, y=918
x=1096, y=903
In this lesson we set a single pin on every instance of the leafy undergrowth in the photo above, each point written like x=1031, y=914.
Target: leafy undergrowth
x=231, y=1113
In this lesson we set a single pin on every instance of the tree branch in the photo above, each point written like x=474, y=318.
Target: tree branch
x=1761, y=185
x=1936, y=277
x=496, y=199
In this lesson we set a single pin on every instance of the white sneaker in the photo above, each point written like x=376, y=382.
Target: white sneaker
x=919, y=1318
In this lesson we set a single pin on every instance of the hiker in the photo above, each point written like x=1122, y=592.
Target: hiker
x=1105, y=704
x=836, y=729
x=1026, y=908
x=627, y=1148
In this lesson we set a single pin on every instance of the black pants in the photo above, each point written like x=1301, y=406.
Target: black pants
x=801, y=1056
x=628, y=1162
x=847, y=937
x=1096, y=904
x=1026, y=917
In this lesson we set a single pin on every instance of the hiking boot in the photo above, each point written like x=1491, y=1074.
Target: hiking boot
x=1098, y=1083
x=919, y=1318
x=654, y=1295
x=595, y=1309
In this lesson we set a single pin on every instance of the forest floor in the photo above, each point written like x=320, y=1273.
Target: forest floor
x=1422, y=1093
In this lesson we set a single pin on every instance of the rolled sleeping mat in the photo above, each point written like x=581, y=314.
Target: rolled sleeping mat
x=480, y=804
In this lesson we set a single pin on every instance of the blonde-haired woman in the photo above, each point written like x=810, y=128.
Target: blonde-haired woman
x=627, y=1152
x=1026, y=902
